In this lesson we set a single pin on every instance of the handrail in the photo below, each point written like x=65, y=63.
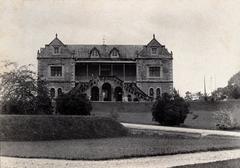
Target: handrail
x=83, y=86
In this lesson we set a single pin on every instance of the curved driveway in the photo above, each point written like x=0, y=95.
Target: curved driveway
x=150, y=162
x=201, y=132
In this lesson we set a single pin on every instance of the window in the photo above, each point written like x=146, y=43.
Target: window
x=158, y=92
x=56, y=71
x=59, y=91
x=154, y=51
x=56, y=50
x=52, y=92
x=114, y=53
x=151, y=92
x=154, y=72
x=94, y=53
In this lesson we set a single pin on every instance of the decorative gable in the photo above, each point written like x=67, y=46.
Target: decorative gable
x=56, y=42
x=154, y=43
x=154, y=49
x=57, y=47
x=94, y=53
x=114, y=53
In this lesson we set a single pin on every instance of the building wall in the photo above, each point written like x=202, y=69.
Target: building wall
x=66, y=82
x=165, y=82
x=144, y=64
x=144, y=60
x=164, y=87
x=46, y=59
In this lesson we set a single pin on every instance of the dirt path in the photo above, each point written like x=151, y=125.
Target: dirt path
x=150, y=162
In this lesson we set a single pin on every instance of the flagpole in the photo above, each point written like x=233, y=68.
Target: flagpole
x=205, y=90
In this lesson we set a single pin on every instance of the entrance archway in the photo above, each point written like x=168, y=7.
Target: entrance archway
x=118, y=93
x=95, y=93
x=107, y=92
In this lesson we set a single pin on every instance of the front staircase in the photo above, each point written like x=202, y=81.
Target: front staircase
x=129, y=87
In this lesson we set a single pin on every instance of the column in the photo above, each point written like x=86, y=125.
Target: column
x=99, y=69
x=111, y=69
x=87, y=71
x=73, y=74
x=123, y=72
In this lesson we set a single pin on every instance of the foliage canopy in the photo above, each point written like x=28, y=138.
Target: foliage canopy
x=170, y=110
x=21, y=92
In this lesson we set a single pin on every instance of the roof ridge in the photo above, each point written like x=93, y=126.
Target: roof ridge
x=105, y=44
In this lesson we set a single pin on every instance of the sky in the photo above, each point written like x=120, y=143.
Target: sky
x=204, y=36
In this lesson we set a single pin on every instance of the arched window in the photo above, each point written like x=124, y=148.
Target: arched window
x=151, y=92
x=52, y=92
x=158, y=92
x=59, y=91
x=114, y=53
x=56, y=50
x=94, y=52
x=95, y=93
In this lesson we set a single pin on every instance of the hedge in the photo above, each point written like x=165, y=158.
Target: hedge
x=45, y=127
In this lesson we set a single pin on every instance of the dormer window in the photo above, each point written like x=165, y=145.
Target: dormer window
x=114, y=53
x=154, y=51
x=56, y=50
x=94, y=53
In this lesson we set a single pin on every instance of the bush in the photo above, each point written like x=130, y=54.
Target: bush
x=21, y=92
x=73, y=104
x=170, y=110
x=37, y=104
x=17, y=107
x=227, y=117
x=57, y=127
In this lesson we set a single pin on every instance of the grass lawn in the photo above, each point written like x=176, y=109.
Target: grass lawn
x=235, y=163
x=205, y=119
x=114, y=148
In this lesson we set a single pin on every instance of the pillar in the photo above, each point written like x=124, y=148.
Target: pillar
x=123, y=72
x=87, y=71
x=99, y=69
x=111, y=69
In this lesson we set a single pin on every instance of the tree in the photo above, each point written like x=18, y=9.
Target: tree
x=233, y=91
x=188, y=96
x=21, y=92
x=170, y=110
x=43, y=103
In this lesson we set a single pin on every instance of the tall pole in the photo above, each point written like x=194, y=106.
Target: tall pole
x=215, y=82
x=205, y=90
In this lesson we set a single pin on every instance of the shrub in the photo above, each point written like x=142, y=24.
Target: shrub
x=73, y=104
x=57, y=127
x=18, y=107
x=170, y=110
x=227, y=117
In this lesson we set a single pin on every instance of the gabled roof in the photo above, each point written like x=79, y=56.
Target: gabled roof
x=56, y=42
x=126, y=51
x=154, y=43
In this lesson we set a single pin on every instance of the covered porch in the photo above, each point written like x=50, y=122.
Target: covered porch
x=126, y=71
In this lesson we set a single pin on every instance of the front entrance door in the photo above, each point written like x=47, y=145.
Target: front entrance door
x=118, y=92
x=107, y=92
x=95, y=93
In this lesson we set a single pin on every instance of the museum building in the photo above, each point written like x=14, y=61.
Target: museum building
x=107, y=72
